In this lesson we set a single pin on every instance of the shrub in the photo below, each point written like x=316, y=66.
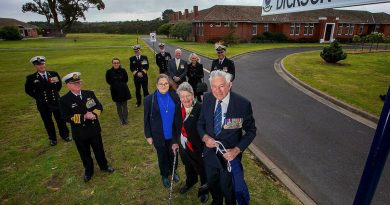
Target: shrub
x=10, y=33
x=230, y=39
x=333, y=53
x=214, y=40
x=269, y=37
x=259, y=38
x=181, y=29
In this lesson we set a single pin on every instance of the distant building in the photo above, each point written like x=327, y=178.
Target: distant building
x=324, y=25
x=26, y=30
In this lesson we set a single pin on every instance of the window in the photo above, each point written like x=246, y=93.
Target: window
x=254, y=29
x=218, y=24
x=201, y=29
x=311, y=29
x=347, y=29
x=292, y=28
x=340, y=29
x=376, y=28
x=306, y=30
x=352, y=29
x=361, y=28
x=235, y=24
x=266, y=27
x=297, y=29
x=226, y=24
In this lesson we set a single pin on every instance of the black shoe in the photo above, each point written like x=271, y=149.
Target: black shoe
x=382, y=97
x=137, y=105
x=53, y=142
x=87, y=178
x=67, y=139
x=176, y=178
x=203, y=194
x=109, y=169
x=184, y=189
x=166, y=182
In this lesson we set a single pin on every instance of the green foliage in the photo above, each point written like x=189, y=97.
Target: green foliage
x=181, y=29
x=333, y=53
x=10, y=33
x=164, y=29
x=375, y=38
x=165, y=15
x=230, y=38
x=269, y=37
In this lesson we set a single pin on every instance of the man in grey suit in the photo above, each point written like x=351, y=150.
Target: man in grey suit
x=177, y=68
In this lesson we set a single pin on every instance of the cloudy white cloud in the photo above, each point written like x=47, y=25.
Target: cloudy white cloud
x=124, y=10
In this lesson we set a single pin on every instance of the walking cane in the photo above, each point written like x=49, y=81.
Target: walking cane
x=173, y=174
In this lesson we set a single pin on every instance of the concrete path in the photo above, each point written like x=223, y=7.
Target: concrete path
x=322, y=150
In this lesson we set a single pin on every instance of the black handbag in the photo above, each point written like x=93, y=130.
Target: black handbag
x=201, y=87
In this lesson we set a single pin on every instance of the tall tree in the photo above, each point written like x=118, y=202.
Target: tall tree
x=70, y=11
x=165, y=15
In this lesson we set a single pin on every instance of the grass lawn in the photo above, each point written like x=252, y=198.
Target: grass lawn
x=207, y=49
x=32, y=172
x=358, y=80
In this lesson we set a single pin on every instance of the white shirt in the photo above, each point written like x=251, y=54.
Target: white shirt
x=43, y=75
x=221, y=60
x=78, y=94
x=177, y=62
x=224, y=106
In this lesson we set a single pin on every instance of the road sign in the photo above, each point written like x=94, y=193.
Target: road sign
x=152, y=37
x=271, y=7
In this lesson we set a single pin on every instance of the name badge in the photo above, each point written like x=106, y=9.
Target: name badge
x=225, y=69
x=90, y=103
x=182, y=66
x=144, y=62
x=233, y=123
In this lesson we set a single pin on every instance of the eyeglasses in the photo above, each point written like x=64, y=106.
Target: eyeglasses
x=116, y=63
x=162, y=84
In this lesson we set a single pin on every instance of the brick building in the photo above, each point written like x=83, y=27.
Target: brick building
x=311, y=26
x=26, y=30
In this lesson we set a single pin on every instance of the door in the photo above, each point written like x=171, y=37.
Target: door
x=328, y=32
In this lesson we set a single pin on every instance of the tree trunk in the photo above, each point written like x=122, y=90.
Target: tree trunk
x=57, y=26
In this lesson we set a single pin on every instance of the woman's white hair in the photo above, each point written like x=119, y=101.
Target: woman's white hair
x=185, y=86
x=193, y=55
x=219, y=73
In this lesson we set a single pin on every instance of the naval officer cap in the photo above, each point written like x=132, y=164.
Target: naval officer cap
x=220, y=47
x=161, y=45
x=71, y=77
x=38, y=60
x=136, y=47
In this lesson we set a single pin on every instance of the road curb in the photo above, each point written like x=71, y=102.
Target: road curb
x=355, y=113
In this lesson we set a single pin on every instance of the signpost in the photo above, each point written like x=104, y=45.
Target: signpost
x=271, y=7
x=153, y=38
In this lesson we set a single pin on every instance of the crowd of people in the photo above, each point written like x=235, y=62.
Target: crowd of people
x=208, y=130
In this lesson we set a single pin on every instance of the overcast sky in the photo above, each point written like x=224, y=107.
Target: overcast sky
x=125, y=10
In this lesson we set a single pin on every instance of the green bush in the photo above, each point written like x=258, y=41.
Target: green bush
x=182, y=29
x=269, y=37
x=230, y=38
x=10, y=33
x=333, y=53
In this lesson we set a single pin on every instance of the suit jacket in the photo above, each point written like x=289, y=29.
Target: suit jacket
x=73, y=109
x=162, y=61
x=180, y=72
x=190, y=124
x=45, y=92
x=117, y=79
x=195, y=74
x=153, y=123
x=139, y=66
x=239, y=110
x=227, y=66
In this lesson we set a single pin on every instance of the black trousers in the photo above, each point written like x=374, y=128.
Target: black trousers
x=83, y=147
x=193, y=165
x=121, y=108
x=138, y=83
x=46, y=115
x=165, y=158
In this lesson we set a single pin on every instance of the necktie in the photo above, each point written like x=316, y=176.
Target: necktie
x=220, y=62
x=218, y=119
x=44, y=77
x=79, y=96
x=137, y=57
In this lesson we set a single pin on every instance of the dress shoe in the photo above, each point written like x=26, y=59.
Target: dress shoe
x=203, y=194
x=137, y=105
x=87, y=178
x=109, y=169
x=176, y=178
x=67, y=139
x=184, y=189
x=53, y=142
x=166, y=182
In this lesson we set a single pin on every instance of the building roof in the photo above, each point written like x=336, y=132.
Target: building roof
x=14, y=22
x=253, y=14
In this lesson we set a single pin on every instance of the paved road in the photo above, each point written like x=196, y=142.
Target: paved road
x=320, y=149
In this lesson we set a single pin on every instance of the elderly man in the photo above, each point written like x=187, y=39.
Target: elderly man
x=223, y=63
x=162, y=59
x=139, y=66
x=82, y=109
x=224, y=117
x=44, y=87
x=177, y=68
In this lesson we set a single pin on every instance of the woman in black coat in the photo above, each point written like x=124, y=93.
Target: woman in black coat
x=195, y=74
x=191, y=145
x=117, y=78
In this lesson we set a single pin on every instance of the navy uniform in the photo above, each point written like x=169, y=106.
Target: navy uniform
x=162, y=59
x=44, y=86
x=224, y=64
x=139, y=65
x=86, y=132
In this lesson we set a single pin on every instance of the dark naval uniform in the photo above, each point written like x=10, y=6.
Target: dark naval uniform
x=162, y=61
x=86, y=133
x=226, y=65
x=139, y=65
x=45, y=93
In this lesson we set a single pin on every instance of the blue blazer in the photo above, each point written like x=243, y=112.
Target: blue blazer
x=239, y=109
x=153, y=123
